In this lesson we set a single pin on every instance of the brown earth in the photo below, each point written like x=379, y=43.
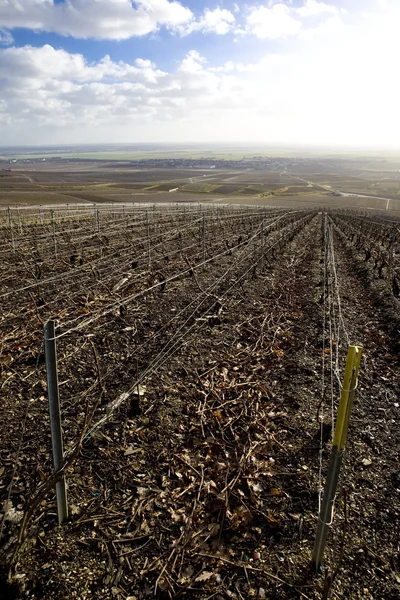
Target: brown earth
x=209, y=487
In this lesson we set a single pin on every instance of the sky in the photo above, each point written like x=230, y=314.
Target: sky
x=269, y=72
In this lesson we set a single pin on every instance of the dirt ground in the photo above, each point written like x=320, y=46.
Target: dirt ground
x=208, y=486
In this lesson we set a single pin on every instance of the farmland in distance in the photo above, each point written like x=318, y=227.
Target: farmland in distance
x=354, y=182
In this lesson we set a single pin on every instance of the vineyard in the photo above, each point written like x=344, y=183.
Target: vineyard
x=201, y=351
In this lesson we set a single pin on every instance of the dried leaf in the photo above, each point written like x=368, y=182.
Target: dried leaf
x=272, y=521
x=205, y=576
x=218, y=415
x=130, y=450
x=163, y=584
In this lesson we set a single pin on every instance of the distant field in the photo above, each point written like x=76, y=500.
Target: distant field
x=309, y=181
x=220, y=155
x=28, y=198
x=223, y=152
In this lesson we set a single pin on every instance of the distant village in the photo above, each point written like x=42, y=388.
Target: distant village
x=250, y=162
x=254, y=162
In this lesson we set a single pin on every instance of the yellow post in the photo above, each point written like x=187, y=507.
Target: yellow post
x=338, y=446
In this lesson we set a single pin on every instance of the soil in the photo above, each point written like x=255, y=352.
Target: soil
x=205, y=482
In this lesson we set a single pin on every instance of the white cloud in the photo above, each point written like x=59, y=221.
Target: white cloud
x=219, y=21
x=123, y=19
x=283, y=20
x=45, y=64
x=312, y=8
x=110, y=19
x=144, y=63
x=314, y=91
x=192, y=63
x=331, y=27
x=227, y=67
x=49, y=92
x=102, y=19
x=272, y=22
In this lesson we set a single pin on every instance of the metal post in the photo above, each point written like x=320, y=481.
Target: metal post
x=97, y=219
x=55, y=417
x=339, y=441
x=20, y=222
x=54, y=232
x=148, y=238
x=262, y=235
x=391, y=257
x=11, y=229
x=204, y=240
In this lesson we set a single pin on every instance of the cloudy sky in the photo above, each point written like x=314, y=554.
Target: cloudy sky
x=270, y=71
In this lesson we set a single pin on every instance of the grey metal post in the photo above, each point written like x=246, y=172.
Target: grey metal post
x=391, y=257
x=148, y=238
x=11, y=229
x=97, y=217
x=54, y=232
x=204, y=240
x=262, y=232
x=20, y=222
x=55, y=417
x=325, y=516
